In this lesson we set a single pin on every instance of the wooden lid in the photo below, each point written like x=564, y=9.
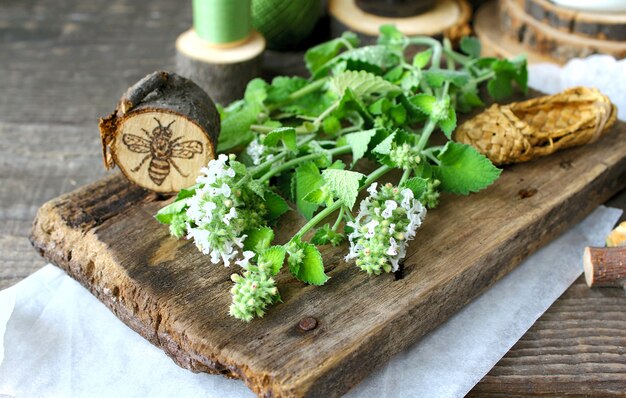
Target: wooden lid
x=191, y=45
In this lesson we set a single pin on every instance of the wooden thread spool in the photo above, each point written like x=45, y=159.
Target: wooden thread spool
x=449, y=18
x=221, y=62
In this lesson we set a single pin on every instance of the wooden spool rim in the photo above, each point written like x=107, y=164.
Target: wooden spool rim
x=513, y=9
x=193, y=46
x=610, y=18
x=210, y=149
x=445, y=15
x=496, y=42
x=587, y=266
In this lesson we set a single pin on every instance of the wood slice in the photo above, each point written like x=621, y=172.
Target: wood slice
x=223, y=72
x=164, y=130
x=449, y=18
x=104, y=235
x=495, y=43
x=550, y=41
x=602, y=26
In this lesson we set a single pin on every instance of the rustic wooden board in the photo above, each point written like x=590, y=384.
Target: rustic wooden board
x=105, y=237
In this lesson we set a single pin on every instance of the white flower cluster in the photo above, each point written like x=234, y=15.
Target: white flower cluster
x=218, y=214
x=258, y=152
x=387, y=220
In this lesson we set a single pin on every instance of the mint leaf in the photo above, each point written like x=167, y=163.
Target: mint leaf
x=317, y=57
x=384, y=147
x=500, y=87
x=272, y=259
x=470, y=46
x=358, y=142
x=448, y=124
x=325, y=235
x=361, y=83
x=166, y=214
x=418, y=185
x=236, y=121
x=344, y=184
x=310, y=269
x=423, y=102
x=390, y=36
x=285, y=134
x=377, y=55
x=307, y=179
x=463, y=169
x=282, y=87
x=276, y=205
x=421, y=59
x=258, y=239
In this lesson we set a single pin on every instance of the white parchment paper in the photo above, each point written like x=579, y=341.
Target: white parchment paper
x=57, y=340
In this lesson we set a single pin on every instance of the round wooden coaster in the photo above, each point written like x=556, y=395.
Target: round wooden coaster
x=544, y=39
x=448, y=17
x=595, y=25
x=223, y=72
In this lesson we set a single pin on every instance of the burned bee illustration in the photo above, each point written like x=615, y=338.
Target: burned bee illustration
x=161, y=149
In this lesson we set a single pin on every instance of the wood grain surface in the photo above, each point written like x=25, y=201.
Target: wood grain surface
x=65, y=63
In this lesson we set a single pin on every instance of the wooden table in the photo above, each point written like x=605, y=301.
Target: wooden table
x=65, y=63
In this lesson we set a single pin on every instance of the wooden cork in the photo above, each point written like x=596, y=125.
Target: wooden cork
x=163, y=131
x=223, y=71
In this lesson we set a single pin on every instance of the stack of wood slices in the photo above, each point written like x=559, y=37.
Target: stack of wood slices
x=549, y=32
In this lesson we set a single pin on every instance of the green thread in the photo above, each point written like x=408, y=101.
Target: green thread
x=222, y=21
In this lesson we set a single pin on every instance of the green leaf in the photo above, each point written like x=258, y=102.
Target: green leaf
x=317, y=57
x=362, y=84
x=448, y=124
x=421, y=59
x=384, y=147
x=500, y=87
x=307, y=179
x=235, y=124
x=358, y=143
x=276, y=205
x=398, y=114
x=377, y=55
x=311, y=269
x=344, y=184
x=379, y=107
x=285, y=134
x=282, y=87
x=187, y=192
x=390, y=36
x=470, y=46
x=257, y=187
x=273, y=258
x=167, y=213
x=423, y=102
x=325, y=235
x=316, y=196
x=258, y=239
x=463, y=169
x=436, y=78
x=418, y=185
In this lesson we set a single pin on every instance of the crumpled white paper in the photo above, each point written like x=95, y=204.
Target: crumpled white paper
x=60, y=341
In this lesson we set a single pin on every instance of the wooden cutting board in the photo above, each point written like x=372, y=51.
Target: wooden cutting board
x=104, y=236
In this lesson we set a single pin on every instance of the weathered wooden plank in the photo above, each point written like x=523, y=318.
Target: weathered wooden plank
x=104, y=236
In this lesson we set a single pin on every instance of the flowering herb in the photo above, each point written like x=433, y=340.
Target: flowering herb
x=370, y=102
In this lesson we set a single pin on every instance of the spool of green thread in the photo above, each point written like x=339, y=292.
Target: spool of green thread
x=222, y=22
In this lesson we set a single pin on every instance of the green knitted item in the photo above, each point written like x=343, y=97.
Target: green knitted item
x=285, y=23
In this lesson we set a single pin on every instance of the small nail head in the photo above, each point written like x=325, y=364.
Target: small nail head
x=307, y=324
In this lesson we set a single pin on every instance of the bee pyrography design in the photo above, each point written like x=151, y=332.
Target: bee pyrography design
x=161, y=149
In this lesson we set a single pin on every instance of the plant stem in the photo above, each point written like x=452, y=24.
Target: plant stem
x=267, y=129
x=426, y=132
x=405, y=176
x=294, y=162
x=309, y=88
x=339, y=218
x=327, y=112
x=376, y=174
